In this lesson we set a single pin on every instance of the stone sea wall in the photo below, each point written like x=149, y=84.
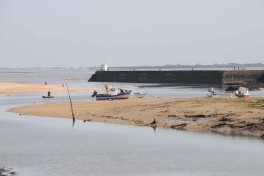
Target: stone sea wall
x=181, y=77
x=243, y=76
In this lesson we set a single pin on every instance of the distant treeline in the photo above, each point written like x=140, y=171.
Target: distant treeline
x=229, y=65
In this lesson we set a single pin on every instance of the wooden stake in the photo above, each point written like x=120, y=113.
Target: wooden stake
x=73, y=118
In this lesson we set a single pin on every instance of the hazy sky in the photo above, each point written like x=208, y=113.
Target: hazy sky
x=49, y=33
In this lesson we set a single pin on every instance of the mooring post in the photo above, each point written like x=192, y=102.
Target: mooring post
x=73, y=118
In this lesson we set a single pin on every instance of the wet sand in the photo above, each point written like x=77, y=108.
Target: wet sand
x=230, y=116
x=17, y=88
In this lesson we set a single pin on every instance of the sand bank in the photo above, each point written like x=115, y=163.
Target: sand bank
x=17, y=88
x=226, y=116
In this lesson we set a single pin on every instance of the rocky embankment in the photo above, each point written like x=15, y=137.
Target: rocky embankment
x=250, y=85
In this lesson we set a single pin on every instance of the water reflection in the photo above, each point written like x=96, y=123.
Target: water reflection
x=49, y=146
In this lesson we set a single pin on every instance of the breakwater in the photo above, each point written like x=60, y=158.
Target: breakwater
x=181, y=77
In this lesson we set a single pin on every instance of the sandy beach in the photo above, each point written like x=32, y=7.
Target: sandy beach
x=17, y=88
x=230, y=116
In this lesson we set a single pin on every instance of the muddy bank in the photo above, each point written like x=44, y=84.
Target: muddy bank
x=231, y=116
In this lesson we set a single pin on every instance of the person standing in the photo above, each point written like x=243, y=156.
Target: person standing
x=106, y=88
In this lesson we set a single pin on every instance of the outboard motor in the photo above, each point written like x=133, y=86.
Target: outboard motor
x=94, y=93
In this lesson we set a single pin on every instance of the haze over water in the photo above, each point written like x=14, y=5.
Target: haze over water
x=66, y=33
x=41, y=146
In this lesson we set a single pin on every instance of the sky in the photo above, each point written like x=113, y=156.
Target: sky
x=75, y=33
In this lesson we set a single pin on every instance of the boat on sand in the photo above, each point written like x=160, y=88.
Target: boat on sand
x=134, y=94
x=113, y=94
x=242, y=92
x=212, y=93
x=138, y=94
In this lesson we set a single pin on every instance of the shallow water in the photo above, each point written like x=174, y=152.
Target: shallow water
x=79, y=78
x=43, y=146
x=52, y=146
x=40, y=146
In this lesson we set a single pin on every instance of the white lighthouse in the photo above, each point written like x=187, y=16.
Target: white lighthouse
x=104, y=67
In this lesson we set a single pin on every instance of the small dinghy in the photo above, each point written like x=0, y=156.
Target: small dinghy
x=47, y=96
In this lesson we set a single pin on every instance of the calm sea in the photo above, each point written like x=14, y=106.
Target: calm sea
x=41, y=146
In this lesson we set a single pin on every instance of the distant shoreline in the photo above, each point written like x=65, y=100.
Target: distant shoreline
x=167, y=66
x=19, y=88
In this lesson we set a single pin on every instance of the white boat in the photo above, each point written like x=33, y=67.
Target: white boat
x=135, y=94
x=138, y=94
x=112, y=97
x=113, y=94
x=242, y=92
x=212, y=93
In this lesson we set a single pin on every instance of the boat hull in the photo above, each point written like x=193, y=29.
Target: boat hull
x=246, y=96
x=138, y=95
x=112, y=97
x=242, y=92
x=47, y=96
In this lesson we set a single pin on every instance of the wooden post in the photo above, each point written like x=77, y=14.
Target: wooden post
x=73, y=118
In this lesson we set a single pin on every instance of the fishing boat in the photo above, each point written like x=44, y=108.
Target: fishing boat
x=113, y=94
x=112, y=97
x=242, y=92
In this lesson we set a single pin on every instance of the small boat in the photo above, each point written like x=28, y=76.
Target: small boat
x=212, y=93
x=112, y=97
x=138, y=94
x=113, y=94
x=47, y=96
x=242, y=92
x=134, y=94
